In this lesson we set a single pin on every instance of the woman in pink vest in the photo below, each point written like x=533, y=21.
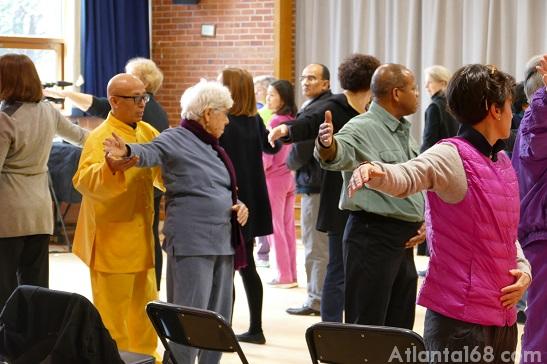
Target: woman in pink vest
x=281, y=186
x=477, y=271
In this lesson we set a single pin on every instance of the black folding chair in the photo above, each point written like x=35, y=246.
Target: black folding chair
x=40, y=325
x=338, y=343
x=194, y=327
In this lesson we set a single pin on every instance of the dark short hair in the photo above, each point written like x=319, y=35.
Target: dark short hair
x=241, y=86
x=386, y=78
x=325, y=73
x=286, y=92
x=474, y=88
x=19, y=80
x=519, y=100
x=356, y=71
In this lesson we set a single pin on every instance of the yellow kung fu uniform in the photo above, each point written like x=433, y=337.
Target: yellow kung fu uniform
x=114, y=235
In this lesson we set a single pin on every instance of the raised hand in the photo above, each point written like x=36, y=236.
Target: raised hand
x=115, y=146
x=242, y=213
x=277, y=132
x=326, y=131
x=361, y=175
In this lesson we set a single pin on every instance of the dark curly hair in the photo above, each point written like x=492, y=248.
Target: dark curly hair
x=356, y=72
x=474, y=88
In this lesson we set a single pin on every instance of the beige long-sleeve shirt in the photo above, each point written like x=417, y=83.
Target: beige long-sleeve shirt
x=26, y=134
x=439, y=169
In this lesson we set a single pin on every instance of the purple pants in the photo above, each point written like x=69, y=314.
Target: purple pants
x=534, y=340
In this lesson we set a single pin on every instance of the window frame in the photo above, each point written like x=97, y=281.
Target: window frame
x=31, y=42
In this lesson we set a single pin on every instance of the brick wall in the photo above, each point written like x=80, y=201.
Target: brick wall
x=244, y=38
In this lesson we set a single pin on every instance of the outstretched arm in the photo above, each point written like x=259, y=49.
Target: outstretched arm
x=80, y=100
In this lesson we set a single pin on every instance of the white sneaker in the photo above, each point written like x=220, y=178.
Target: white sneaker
x=262, y=263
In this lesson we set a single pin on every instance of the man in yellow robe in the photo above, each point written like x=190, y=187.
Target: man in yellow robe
x=114, y=231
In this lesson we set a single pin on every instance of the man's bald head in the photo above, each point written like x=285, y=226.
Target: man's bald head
x=393, y=87
x=123, y=84
x=124, y=92
x=387, y=77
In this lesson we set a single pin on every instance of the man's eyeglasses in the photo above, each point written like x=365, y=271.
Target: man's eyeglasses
x=136, y=99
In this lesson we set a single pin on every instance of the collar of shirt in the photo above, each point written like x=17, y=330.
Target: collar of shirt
x=391, y=122
x=120, y=125
x=480, y=143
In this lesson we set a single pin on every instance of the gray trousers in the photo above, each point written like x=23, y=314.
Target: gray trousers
x=316, y=249
x=205, y=281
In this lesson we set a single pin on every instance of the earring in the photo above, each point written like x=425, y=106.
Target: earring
x=499, y=117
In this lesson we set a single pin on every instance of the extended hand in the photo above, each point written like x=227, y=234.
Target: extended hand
x=117, y=164
x=277, y=132
x=512, y=294
x=115, y=146
x=326, y=131
x=416, y=239
x=242, y=213
x=361, y=175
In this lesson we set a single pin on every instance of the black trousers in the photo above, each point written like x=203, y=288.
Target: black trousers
x=332, y=297
x=157, y=244
x=381, y=278
x=448, y=340
x=23, y=260
x=253, y=289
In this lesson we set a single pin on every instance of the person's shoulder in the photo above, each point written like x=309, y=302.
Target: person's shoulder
x=147, y=128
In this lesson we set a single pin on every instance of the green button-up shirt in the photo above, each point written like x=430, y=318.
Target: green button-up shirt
x=374, y=136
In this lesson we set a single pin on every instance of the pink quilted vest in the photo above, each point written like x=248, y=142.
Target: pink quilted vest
x=473, y=242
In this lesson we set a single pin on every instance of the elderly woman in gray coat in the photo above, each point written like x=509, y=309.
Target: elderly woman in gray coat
x=202, y=228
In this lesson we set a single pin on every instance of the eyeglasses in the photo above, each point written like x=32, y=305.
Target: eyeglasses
x=136, y=99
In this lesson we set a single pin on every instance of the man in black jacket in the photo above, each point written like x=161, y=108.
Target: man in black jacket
x=315, y=82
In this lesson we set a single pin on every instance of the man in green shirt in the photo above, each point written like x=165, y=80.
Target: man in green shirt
x=381, y=278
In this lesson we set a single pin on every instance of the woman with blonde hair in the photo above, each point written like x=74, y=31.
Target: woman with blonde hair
x=439, y=123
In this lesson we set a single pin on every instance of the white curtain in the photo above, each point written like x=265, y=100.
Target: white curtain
x=420, y=33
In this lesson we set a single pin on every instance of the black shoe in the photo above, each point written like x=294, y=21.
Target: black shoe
x=248, y=337
x=521, y=317
x=303, y=311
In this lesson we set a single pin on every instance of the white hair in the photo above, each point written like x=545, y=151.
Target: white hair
x=147, y=71
x=203, y=95
x=533, y=80
x=438, y=73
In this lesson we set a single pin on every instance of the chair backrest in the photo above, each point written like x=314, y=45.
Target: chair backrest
x=198, y=328
x=339, y=343
x=42, y=325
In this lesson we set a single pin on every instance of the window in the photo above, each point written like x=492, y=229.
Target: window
x=35, y=28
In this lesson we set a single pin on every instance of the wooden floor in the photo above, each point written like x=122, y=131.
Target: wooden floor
x=284, y=333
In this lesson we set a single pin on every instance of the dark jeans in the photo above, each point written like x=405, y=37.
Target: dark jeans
x=448, y=340
x=381, y=278
x=253, y=289
x=157, y=244
x=332, y=298
x=23, y=260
